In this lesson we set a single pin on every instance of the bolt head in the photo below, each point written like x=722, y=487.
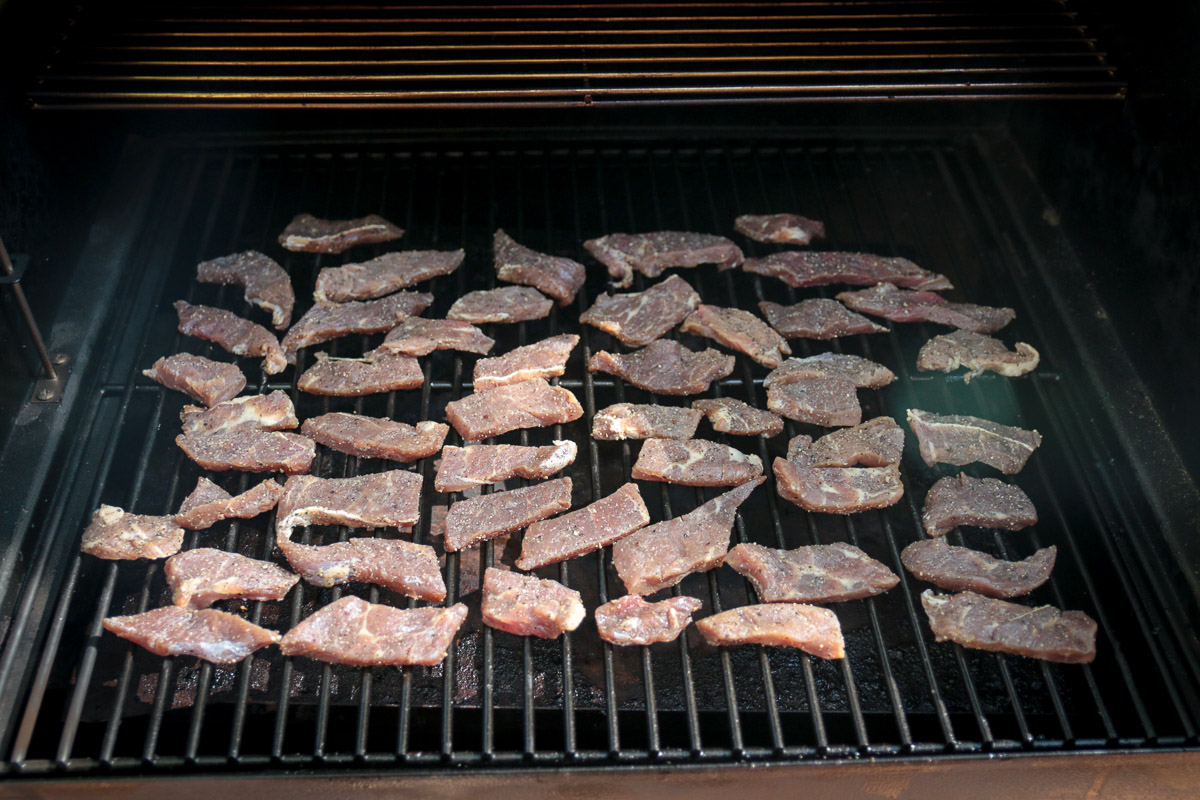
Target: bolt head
x=59, y=358
x=45, y=394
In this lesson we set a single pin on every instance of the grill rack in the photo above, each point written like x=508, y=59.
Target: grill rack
x=743, y=704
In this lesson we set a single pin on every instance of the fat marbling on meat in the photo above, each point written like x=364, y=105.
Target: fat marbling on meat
x=779, y=228
x=638, y=318
x=817, y=318
x=694, y=462
x=644, y=421
x=528, y=404
x=403, y=567
x=417, y=336
x=561, y=278
x=959, y=439
x=800, y=268
x=977, y=353
x=862, y=372
x=309, y=234
x=877, y=442
x=205, y=633
x=374, y=437
x=250, y=451
x=651, y=253
x=208, y=504
x=905, y=305
x=361, y=634
x=812, y=629
x=463, y=468
x=525, y=605
x=508, y=304
x=982, y=502
x=356, y=377
x=210, y=382
x=381, y=276
x=266, y=283
x=958, y=569
x=226, y=329
x=985, y=623
x=836, y=489
x=198, y=578
x=665, y=367
x=376, y=500
x=488, y=516
x=255, y=412
x=116, y=535
x=738, y=330
x=545, y=359
x=584, y=530
x=729, y=415
x=325, y=321
x=820, y=573
x=630, y=620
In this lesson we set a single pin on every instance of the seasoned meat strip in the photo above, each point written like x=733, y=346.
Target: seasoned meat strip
x=464, y=468
x=309, y=234
x=694, y=462
x=904, y=305
x=651, y=253
x=862, y=372
x=524, y=605
x=372, y=437
x=255, y=412
x=819, y=573
x=809, y=628
x=478, y=519
x=665, y=553
x=798, y=268
x=959, y=439
x=206, y=633
x=638, y=318
x=983, y=502
x=199, y=578
x=738, y=330
x=828, y=402
x=877, y=442
x=403, y=567
x=958, y=569
x=326, y=321
x=388, y=273
x=727, y=415
x=239, y=336
x=508, y=304
x=375, y=500
x=834, y=490
x=781, y=228
x=665, y=367
x=642, y=421
x=631, y=620
x=250, y=451
x=208, y=504
x=983, y=623
x=356, y=377
x=210, y=382
x=528, y=404
x=417, y=336
x=977, y=353
x=817, y=318
x=561, y=278
x=584, y=530
x=545, y=359
x=267, y=284
x=361, y=634
x=116, y=535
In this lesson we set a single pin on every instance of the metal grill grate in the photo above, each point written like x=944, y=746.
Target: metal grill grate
x=300, y=56
x=93, y=702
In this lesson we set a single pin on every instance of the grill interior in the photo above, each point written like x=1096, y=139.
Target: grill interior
x=284, y=55
x=85, y=701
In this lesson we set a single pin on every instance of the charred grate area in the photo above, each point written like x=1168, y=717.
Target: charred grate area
x=282, y=55
x=85, y=702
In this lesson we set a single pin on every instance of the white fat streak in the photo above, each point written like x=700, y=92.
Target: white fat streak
x=564, y=455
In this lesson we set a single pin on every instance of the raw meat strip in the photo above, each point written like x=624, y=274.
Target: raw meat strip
x=255, y=412
x=210, y=382
x=983, y=623
x=959, y=439
x=640, y=421
x=877, y=442
x=361, y=634
x=250, y=451
x=983, y=502
x=527, y=606
x=651, y=253
x=199, y=578
x=820, y=573
x=464, y=468
x=738, y=330
x=828, y=402
x=376, y=500
x=694, y=462
x=584, y=530
x=381, y=276
x=372, y=437
x=958, y=569
x=977, y=353
x=403, y=567
x=798, y=268
x=416, y=336
x=817, y=318
x=117, y=535
x=904, y=305
x=208, y=504
x=478, y=519
x=267, y=284
x=355, y=377
x=862, y=372
x=507, y=304
x=545, y=359
x=239, y=336
x=665, y=367
x=809, y=628
x=837, y=490
x=309, y=234
x=206, y=633
x=326, y=321
x=781, y=228
x=528, y=404
x=638, y=318
x=727, y=415
x=561, y=278
x=631, y=620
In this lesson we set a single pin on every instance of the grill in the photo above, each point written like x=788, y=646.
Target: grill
x=82, y=702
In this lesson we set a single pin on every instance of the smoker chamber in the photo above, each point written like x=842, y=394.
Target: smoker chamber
x=80, y=702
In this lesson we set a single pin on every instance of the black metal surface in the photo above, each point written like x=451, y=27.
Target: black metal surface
x=280, y=55
x=88, y=703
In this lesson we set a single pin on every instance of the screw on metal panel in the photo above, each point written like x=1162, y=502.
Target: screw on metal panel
x=60, y=358
x=45, y=394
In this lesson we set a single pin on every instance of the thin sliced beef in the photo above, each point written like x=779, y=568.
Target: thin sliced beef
x=545, y=359
x=663, y=554
x=983, y=502
x=210, y=382
x=904, y=305
x=798, y=268
x=959, y=569
x=819, y=573
x=208, y=504
x=326, y=321
x=528, y=404
x=835, y=490
x=377, y=500
x=309, y=234
x=727, y=415
x=738, y=330
x=561, y=278
x=206, y=633
x=817, y=318
x=488, y=516
x=381, y=276
x=508, y=304
x=527, y=606
x=665, y=367
x=361, y=634
x=116, y=535
x=862, y=372
x=226, y=329
x=984, y=623
x=199, y=578
x=267, y=284
x=878, y=442
x=464, y=468
x=584, y=530
x=256, y=412
x=638, y=318
x=780, y=228
x=373, y=437
x=643, y=421
x=977, y=353
x=959, y=439
x=417, y=336
x=356, y=377
x=651, y=253
x=809, y=628
x=402, y=567
x=828, y=402
x=694, y=462
x=631, y=620
x=250, y=451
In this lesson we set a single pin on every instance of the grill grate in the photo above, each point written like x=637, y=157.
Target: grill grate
x=93, y=702
x=298, y=56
